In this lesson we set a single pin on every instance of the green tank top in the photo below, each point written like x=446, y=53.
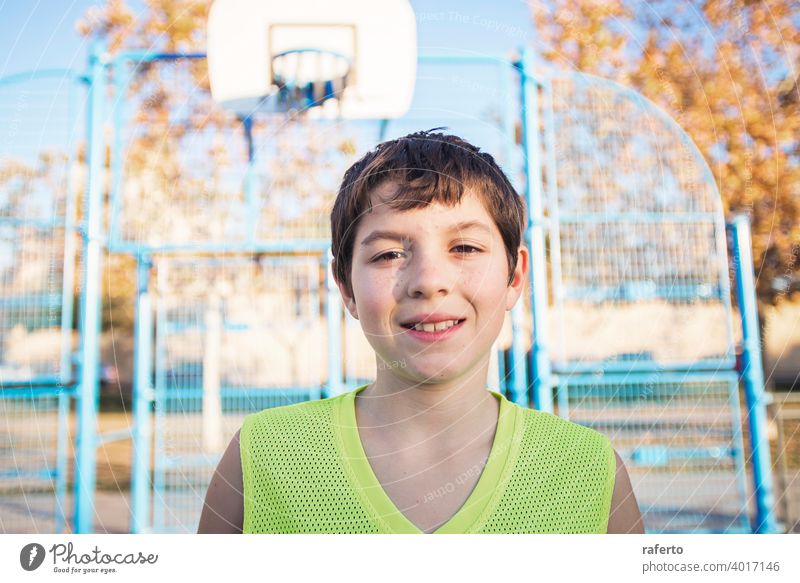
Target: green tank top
x=305, y=471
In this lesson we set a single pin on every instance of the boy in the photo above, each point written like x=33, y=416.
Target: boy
x=428, y=256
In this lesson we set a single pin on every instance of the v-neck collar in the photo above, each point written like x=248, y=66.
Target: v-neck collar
x=482, y=495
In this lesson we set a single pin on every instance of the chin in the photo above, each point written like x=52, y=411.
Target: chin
x=436, y=377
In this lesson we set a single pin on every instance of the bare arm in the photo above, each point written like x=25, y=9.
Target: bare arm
x=624, y=517
x=223, y=511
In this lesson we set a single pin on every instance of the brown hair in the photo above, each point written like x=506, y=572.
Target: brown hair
x=427, y=167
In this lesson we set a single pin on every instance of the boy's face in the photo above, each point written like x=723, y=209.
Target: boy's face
x=431, y=266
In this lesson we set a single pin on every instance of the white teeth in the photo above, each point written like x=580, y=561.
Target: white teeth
x=435, y=327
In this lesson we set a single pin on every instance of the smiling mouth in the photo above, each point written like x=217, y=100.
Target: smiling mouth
x=433, y=326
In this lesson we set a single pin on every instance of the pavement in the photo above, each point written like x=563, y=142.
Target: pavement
x=32, y=514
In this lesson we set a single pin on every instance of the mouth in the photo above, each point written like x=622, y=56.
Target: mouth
x=433, y=326
x=424, y=332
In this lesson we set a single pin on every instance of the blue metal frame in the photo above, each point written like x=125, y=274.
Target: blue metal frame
x=553, y=206
x=64, y=378
x=250, y=183
x=143, y=399
x=541, y=378
x=333, y=310
x=538, y=151
x=752, y=375
x=158, y=463
x=85, y=468
x=632, y=370
x=17, y=78
x=62, y=386
x=721, y=291
x=516, y=378
x=632, y=382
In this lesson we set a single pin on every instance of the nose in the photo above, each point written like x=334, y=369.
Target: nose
x=429, y=275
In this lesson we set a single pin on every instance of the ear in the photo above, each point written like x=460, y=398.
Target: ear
x=517, y=285
x=349, y=301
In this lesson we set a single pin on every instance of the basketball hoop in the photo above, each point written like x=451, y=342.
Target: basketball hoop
x=348, y=59
x=307, y=78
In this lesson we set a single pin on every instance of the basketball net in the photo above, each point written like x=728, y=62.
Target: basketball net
x=310, y=78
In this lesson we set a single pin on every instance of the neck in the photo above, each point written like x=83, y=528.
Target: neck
x=451, y=413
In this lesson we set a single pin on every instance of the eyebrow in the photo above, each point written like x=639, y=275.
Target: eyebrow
x=395, y=236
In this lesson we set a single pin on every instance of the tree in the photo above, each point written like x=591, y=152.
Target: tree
x=727, y=71
x=166, y=25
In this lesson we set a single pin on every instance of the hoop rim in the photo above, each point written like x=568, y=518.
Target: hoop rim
x=313, y=93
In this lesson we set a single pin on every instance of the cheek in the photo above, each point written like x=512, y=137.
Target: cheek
x=489, y=298
x=375, y=301
x=377, y=285
x=484, y=285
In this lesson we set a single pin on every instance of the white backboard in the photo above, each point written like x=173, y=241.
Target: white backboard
x=378, y=37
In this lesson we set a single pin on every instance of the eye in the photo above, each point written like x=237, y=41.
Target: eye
x=386, y=257
x=474, y=249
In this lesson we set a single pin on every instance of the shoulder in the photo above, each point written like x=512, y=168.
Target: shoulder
x=556, y=431
x=289, y=419
x=223, y=509
x=562, y=469
x=588, y=448
x=300, y=430
x=624, y=515
x=224, y=506
x=304, y=408
x=569, y=452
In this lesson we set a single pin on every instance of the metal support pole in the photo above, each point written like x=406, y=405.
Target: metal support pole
x=160, y=464
x=534, y=234
x=517, y=376
x=88, y=393
x=250, y=194
x=334, y=317
x=143, y=396
x=752, y=375
x=554, y=227
x=61, y=467
x=121, y=79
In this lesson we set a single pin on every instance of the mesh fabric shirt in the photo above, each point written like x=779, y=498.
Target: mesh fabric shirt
x=305, y=471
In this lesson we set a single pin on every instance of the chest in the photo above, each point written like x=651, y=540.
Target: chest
x=426, y=485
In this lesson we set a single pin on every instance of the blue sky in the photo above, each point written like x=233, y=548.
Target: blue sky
x=37, y=34
x=40, y=34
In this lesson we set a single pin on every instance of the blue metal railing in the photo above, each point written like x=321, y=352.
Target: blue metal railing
x=538, y=98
